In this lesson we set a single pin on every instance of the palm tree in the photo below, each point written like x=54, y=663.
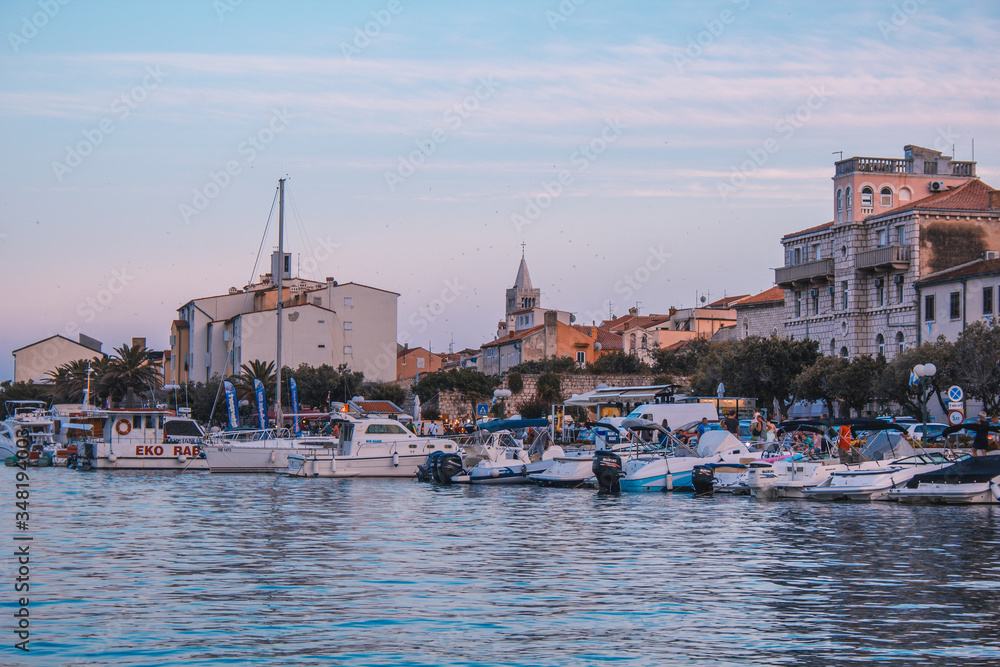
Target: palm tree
x=256, y=370
x=130, y=368
x=69, y=381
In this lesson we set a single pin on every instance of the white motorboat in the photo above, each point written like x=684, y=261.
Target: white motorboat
x=500, y=458
x=971, y=480
x=574, y=469
x=673, y=472
x=789, y=477
x=876, y=483
x=364, y=447
x=34, y=425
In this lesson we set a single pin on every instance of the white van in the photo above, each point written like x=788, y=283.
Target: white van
x=676, y=414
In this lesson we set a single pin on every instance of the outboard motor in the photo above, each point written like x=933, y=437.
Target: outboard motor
x=608, y=470
x=703, y=480
x=446, y=466
x=425, y=471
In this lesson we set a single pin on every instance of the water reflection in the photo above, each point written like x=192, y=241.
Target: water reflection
x=142, y=569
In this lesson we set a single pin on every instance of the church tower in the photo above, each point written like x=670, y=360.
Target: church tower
x=522, y=294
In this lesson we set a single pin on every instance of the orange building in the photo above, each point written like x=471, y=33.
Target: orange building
x=413, y=361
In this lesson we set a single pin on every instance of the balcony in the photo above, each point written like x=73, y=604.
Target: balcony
x=818, y=271
x=887, y=258
x=874, y=164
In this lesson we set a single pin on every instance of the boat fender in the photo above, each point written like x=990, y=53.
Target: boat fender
x=670, y=481
x=112, y=458
x=494, y=473
x=395, y=459
x=123, y=427
x=273, y=456
x=182, y=458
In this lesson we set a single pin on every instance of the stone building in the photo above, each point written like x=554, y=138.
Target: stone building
x=849, y=283
x=761, y=314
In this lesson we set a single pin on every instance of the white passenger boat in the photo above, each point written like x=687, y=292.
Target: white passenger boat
x=138, y=439
x=972, y=480
x=673, y=472
x=363, y=448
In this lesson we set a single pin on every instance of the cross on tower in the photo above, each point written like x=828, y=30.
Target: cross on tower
x=522, y=249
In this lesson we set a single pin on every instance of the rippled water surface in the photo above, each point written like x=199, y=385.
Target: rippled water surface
x=198, y=569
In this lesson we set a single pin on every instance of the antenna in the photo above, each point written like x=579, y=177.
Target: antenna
x=973, y=149
x=840, y=153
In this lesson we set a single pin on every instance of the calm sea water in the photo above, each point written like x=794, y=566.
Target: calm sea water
x=200, y=569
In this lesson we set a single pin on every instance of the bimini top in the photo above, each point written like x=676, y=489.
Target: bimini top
x=973, y=470
x=513, y=424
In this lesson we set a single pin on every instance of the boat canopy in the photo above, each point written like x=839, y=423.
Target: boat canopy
x=637, y=424
x=513, y=424
x=711, y=443
x=885, y=445
x=972, y=470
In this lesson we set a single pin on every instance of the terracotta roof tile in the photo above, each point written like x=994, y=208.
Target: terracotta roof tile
x=825, y=225
x=517, y=335
x=767, y=296
x=971, y=196
x=980, y=267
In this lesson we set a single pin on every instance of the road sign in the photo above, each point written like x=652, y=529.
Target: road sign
x=955, y=393
x=482, y=410
x=955, y=417
x=956, y=405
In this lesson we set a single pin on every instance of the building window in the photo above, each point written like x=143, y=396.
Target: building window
x=348, y=349
x=833, y=346
x=900, y=343
x=420, y=362
x=843, y=287
x=798, y=304
x=844, y=352
x=955, y=305
x=797, y=256
x=840, y=201
x=929, y=308
x=867, y=197
x=817, y=251
x=847, y=198
x=886, y=197
x=988, y=300
x=883, y=237
x=348, y=301
x=880, y=293
x=644, y=341
x=901, y=235
x=321, y=345
x=904, y=194
x=581, y=359
x=348, y=326
x=631, y=342
x=880, y=345
x=746, y=328
x=815, y=300
x=899, y=289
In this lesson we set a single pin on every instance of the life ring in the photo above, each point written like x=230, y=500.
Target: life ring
x=123, y=427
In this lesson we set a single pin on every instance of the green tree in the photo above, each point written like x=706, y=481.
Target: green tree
x=69, y=381
x=550, y=365
x=256, y=370
x=820, y=381
x=977, y=363
x=894, y=382
x=515, y=382
x=22, y=391
x=471, y=384
x=384, y=391
x=533, y=408
x=683, y=361
x=857, y=383
x=129, y=368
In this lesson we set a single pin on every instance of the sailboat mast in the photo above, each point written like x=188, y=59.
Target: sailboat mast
x=281, y=271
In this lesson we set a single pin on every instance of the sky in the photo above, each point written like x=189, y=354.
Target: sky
x=645, y=153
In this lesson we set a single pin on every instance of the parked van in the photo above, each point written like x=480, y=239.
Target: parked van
x=675, y=414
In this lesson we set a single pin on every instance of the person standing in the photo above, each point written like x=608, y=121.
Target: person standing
x=982, y=439
x=731, y=423
x=757, y=428
x=703, y=426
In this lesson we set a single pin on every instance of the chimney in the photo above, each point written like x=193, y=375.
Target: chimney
x=551, y=333
x=995, y=200
x=633, y=311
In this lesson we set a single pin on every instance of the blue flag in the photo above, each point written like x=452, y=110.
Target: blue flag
x=231, y=404
x=295, y=408
x=258, y=387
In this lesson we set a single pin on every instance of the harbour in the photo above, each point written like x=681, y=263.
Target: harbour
x=144, y=568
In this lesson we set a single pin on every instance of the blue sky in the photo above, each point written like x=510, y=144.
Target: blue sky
x=423, y=152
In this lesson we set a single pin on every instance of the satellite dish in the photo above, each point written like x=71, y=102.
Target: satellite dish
x=293, y=316
x=572, y=318
x=703, y=299
x=598, y=347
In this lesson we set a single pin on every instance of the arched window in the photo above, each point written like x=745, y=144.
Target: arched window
x=644, y=341
x=840, y=200
x=904, y=194
x=886, y=197
x=844, y=353
x=880, y=344
x=631, y=342
x=900, y=342
x=833, y=346
x=867, y=197
x=847, y=198
x=746, y=328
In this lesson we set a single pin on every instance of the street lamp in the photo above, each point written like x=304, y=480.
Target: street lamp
x=501, y=395
x=924, y=373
